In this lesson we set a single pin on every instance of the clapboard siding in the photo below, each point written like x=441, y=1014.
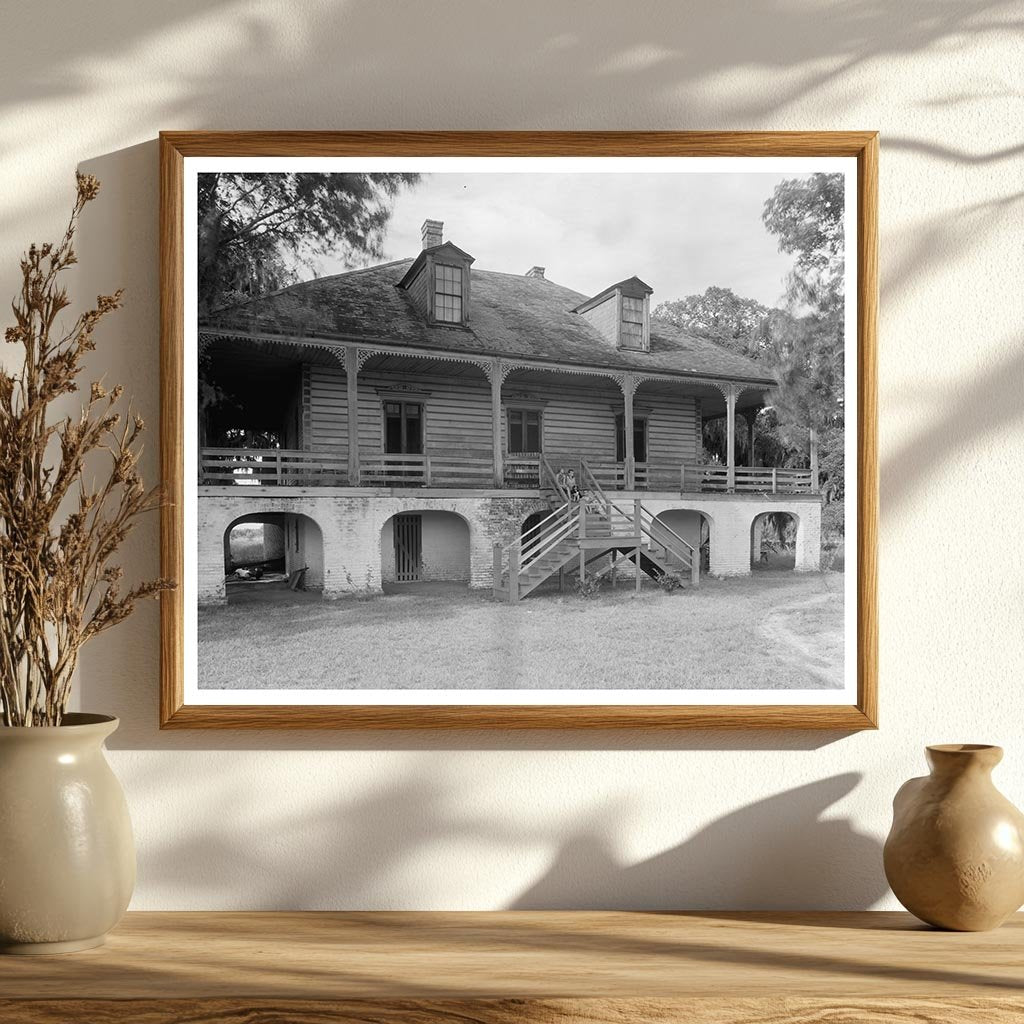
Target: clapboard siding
x=417, y=290
x=328, y=409
x=578, y=417
x=577, y=420
x=457, y=413
x=671, y=430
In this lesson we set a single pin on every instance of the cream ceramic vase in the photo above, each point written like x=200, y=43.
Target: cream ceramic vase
x=955, y=854
x=67, y=859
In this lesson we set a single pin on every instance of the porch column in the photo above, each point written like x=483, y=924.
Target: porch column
x=751, y=418
x=628, y=386
x=499, y=468
x=352, y=381
x=813, y=442
x=730, y=435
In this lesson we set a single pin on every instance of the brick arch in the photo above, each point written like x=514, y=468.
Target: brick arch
x=755, y=533
x=808, y=530
x=443, y=557
x=302, y=547
x=702, y=514
x=216, y=515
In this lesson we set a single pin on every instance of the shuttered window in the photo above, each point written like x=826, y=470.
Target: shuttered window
x=632, y=322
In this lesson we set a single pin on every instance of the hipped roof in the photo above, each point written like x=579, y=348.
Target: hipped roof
x=510, y=315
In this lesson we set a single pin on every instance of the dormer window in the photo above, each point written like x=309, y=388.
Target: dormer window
x=447, y=293
x=438, y=279
x=621, y=314
x=632, y=322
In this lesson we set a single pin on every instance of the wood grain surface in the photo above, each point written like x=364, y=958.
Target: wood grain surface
x=514, y=1011
x=527, y=955
x=175, y=147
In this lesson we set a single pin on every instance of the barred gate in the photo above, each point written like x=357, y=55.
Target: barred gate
x=408, y=547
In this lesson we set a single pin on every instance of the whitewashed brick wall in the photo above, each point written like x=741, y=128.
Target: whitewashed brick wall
x=731, y=519
x=354, y=547
x=357, y=551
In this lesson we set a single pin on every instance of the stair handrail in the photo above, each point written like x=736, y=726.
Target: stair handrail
x=690, y=557
x=549, y=527
x=551, y=540
x=668, y=529
x=588, y=474
x=555, y=485
x=560, y=511
x=690, y=552
x=543, y=531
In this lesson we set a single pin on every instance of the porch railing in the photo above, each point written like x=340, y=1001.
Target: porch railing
x=522, y=471
x=475, y=470
x=765, y=479
x=612, y=475
x=472, y=469
x=252, y=467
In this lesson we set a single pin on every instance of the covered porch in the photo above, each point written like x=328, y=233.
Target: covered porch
x=322, y=414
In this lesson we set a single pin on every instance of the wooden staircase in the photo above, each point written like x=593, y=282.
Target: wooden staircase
x=577, y=533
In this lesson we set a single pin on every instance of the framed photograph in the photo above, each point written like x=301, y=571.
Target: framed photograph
x=519, y=430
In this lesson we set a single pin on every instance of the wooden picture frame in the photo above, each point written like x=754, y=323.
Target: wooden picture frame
x=178, y=147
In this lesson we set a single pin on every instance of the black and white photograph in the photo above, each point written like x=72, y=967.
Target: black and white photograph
x=520, y=430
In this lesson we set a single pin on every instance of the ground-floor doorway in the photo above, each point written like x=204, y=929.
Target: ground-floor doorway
x=425, y=547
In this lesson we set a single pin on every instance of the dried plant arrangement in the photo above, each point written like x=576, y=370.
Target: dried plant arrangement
x=59, y=585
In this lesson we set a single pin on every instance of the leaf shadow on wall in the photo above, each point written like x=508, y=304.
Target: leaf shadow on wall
x=120, y=671
x=780, y=852
x=368, y=65
x=388, y=848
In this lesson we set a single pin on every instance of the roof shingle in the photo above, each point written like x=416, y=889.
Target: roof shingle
x=510, y=315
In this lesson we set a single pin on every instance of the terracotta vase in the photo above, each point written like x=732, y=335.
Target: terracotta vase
x=67, y=859
x=955, y=854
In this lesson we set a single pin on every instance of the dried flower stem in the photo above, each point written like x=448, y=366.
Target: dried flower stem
x=58, y=585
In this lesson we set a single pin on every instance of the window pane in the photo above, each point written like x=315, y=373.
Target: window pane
x=448, y=308
x=533, y=433
x=403, y=428
x=449, y=280
x=448, y=294
x=393, y=434
x=639, y=440
x=413, y=430
x=524, y=435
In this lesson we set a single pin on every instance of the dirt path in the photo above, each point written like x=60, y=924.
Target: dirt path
x=818, y=652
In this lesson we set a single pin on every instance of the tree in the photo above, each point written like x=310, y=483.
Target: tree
x=808, y=342
x=806, y=214
x=256, y=229
x=719, y=314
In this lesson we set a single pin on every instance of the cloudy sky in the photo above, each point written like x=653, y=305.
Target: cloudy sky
x=679, y=232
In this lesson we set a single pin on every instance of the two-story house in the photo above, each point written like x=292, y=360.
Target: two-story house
x=418, y=420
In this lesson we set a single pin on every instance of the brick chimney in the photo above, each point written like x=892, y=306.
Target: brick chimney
x=536, y=272
x=431, y=231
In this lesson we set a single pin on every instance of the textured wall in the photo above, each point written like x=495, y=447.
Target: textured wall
x=493, y=820
x=445, y=551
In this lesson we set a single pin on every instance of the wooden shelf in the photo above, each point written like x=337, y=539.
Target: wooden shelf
x=500, y=968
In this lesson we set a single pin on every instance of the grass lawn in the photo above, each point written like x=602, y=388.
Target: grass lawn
x=773, y=630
